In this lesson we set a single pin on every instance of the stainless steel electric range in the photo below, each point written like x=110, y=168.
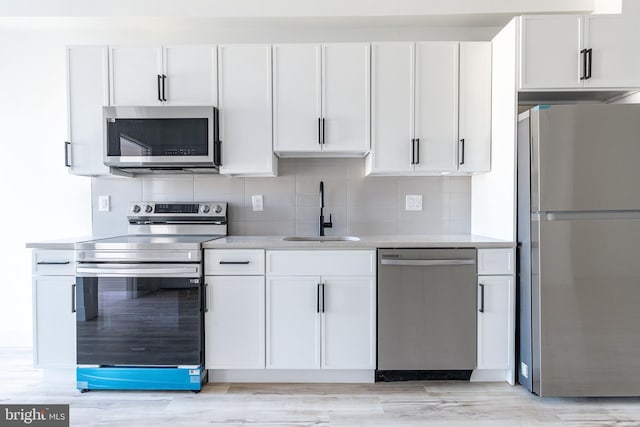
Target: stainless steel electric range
x=140, y=298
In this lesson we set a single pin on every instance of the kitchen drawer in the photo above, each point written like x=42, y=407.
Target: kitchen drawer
x=231, y=262
x=321, y=263
x=496, y=261
x=53, y=263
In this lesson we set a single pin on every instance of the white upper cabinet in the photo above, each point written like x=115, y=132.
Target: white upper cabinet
x=613, y=41
x=297, y=111
x=345, y=98
x=426, y=99
x=245, y=102
x=87, y=93
x=321, y=99
x=136, y=75
x=550, y=52
x=391, y=108
x=191, y=75
x=169, y=75
x=474, y=114
x=436, y=106
x=574, y=52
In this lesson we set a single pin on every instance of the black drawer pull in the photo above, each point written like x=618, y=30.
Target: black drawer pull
x=53, y=262
x=234, y=262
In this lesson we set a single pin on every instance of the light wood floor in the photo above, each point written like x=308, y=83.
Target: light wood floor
x=381, y=404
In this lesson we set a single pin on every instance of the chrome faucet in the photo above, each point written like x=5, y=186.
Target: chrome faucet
x=323, y=224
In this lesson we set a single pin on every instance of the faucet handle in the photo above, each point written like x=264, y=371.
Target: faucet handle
x=330, y=223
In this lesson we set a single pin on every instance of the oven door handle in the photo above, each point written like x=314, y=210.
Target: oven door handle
x=137, y=270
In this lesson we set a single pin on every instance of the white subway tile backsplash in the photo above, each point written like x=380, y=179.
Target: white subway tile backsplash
x=167, y=188
x=360, y=205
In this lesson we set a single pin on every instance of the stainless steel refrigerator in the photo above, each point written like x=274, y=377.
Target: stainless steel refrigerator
x=579, y=250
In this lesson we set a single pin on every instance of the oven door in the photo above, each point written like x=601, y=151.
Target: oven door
x=139, y=315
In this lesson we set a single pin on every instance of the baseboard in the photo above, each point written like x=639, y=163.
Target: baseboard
x=291, y=375
x=489, y=375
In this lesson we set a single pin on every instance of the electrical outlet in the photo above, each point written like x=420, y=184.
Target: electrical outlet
x=413, y=202
x=256, y=202
x=104, y=204
x=524, y=369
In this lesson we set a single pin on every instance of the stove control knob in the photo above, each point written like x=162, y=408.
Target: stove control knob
x=148, y=209
x=218, y=209
x=205, y=208
x=135, y=208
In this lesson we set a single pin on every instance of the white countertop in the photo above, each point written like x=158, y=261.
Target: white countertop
x=276, y=242
x=365, y=242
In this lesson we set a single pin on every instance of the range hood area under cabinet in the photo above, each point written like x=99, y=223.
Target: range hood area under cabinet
x=246, y=82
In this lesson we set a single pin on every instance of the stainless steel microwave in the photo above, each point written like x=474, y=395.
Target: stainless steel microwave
x=159, y=139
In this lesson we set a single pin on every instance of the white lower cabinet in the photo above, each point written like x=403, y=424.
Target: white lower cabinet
x=321, y=322
x=54, y=317
x=234, y=309
x=348, y=323
x=316, y=320
x=293, y=322
x=234, y=322
x=496, y=315
x=494, y=321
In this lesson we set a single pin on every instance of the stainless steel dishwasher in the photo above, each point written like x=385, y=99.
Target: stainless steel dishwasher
x=426, y=314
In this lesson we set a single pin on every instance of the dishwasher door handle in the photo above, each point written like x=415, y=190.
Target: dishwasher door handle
x=426, y=262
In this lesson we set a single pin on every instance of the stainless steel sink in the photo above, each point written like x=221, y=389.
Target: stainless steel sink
x=321, y=239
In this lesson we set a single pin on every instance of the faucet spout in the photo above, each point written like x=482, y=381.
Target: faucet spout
x=323, y=224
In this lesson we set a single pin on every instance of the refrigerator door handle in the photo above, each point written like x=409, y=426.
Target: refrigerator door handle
x=585, y=215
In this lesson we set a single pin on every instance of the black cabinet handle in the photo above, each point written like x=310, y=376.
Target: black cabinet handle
x=417, y=151
x=73, y=298
x=322, y=285
x=319, y=130
x=323, y=131
x=53, y=262
x=234, y=262
x=67, y=145
x=590, y=54
x=206, y=300
x=583, y=74
x=159, y=89
x=413, y=151
x=164, y=90
x=461, y=162
x=318, y=298
x=481, y=309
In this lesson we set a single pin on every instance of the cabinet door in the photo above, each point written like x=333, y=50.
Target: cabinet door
x=296, y=98
x=550, y=52
x=613, y=41
x=244, y=73
x=345, y=97
x=436, y=106
x=495, y=321
x=293, y=323
x=234, y=322
x=191, y=72
x=87, y=93
x=391, y=106
x=54, y=322
x=474, y=110
x=134, y=75
x=348, y=323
